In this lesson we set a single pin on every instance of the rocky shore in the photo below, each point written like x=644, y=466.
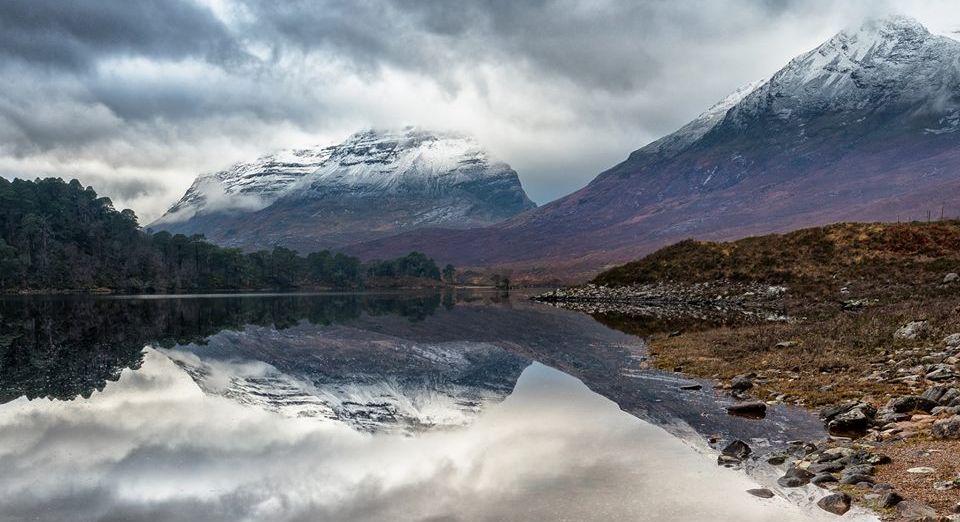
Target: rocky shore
x=894, y=444
x=699, y=300
x=881, y=458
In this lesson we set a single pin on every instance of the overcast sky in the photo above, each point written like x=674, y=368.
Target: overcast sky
x=138, y=97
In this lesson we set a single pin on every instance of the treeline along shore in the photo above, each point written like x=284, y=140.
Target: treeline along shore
x=58, y=236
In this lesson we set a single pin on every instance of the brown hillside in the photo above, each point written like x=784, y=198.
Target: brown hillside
x=864, y=255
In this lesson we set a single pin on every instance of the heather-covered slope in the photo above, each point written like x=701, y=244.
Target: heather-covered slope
x=859, y=256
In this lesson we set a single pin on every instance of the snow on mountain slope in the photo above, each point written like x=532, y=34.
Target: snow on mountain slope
x=374, y=183
x=247, y=186
x=370, y=382
x=862, y=128
x=693, y=131
x=885, y=61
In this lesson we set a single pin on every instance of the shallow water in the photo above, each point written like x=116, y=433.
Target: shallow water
x=353, y=407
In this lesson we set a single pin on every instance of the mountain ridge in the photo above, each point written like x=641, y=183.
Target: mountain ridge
x=374, y=184
x=841, y=133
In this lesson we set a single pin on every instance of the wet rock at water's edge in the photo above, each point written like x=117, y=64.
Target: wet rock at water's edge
x=751, y=410
x=838, y=503
x=761, y=493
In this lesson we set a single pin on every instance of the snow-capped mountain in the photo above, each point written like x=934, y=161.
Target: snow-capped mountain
x=368, y=381
x=693, y=131
x=883, y=65
x=374, y=184
x=862, y=128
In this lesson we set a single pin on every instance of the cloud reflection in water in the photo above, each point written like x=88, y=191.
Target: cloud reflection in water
x=154, y=447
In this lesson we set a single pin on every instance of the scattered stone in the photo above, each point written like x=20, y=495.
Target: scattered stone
x=831, y=412
x=795, y=477
x=854, y=304
x=922, y=470
x=728, y=461
x=888, y=417
x=776, y=460
x=691, y=387
x=935, y=393
x=754, y=410
x=940, y=372
x=839, y=452
x=913, y=330
x=890, y=499
x=951, y=398
x=952, y=340
x=946, y=485
x=910, y=403
x=741, y=383
x=792, y=482
x=823, y=478
x=775, y=291
x=852, y=418
x=786, y=344
x=837, y=503
x=827, y=413
x=737, y=449
x=853, y=422
x=875, y=459
x=952, y=277
x=761, y=492
x=825, y=467
x=910, y=511
x=855, y=478
x=860, y=469
x=947, y=428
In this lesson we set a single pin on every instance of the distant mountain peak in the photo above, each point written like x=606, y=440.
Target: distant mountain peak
x=884, y=65
x=889, y=38
x=863, y=127
x=374, y=183
x=889, y=25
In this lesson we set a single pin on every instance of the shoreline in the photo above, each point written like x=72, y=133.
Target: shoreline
x=104, y=292
x=856, y=465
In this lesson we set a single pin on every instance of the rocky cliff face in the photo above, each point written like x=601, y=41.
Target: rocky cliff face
x=375, y=184
x=862, y=128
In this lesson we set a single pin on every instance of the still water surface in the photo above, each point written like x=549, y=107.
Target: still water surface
x=353, y=407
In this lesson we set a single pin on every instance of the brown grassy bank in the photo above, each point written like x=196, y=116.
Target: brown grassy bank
x=850, y=288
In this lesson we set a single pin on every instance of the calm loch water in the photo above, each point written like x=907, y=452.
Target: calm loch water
x=427, y=407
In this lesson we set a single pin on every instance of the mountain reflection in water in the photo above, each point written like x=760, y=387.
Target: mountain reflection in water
x=351, y=407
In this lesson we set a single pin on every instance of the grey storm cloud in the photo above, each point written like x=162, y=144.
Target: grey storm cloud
x=598, y=44
x=561, y=89
x=76, y=34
